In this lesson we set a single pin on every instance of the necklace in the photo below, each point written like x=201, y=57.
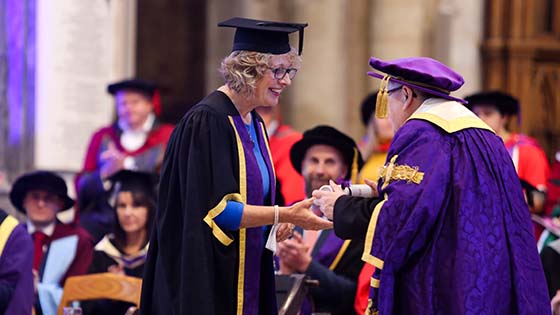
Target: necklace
x=248, y=127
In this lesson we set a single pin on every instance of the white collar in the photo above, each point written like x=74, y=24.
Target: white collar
x=49, y=230
x=146, y=126
x=133, y=140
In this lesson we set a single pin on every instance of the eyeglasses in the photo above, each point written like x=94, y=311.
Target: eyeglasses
x=280, y=73
x=394, y=89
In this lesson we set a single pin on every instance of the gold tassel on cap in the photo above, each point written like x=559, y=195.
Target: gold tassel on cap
x=382, y=98
x=354, y=171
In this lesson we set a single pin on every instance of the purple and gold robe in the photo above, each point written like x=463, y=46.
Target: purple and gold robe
x=16, y=263
x=450, y=233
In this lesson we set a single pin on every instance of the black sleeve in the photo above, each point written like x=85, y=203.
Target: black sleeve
x=6, y=291
x=334, y=291
x=200, y=168
x=551, y=265
x=351, y=216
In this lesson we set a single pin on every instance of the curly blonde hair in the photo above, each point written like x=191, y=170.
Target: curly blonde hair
x=242, y=69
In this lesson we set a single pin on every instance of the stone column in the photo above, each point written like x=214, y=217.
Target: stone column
x=458, y=33
x=333, y=79
x=17, y=91
x=123, y=41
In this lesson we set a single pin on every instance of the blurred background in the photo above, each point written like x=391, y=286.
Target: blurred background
x=57, y=57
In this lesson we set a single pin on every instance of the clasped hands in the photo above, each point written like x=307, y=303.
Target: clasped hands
x=325, y=200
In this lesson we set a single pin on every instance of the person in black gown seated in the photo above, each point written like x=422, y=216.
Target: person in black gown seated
x=124, y=251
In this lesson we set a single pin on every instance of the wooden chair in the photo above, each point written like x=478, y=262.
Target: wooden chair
x=101, y=286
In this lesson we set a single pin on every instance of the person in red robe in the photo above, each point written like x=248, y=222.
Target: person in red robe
x=60, y=250
x=282, y=138
x=136, y=141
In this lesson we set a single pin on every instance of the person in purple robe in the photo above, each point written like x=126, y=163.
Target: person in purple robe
x=16, y=264
x=449, y=232
x=325, y=154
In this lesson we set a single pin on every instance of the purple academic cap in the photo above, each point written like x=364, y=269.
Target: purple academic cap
x=422, y=73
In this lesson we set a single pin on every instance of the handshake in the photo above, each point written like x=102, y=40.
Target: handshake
x=326, y=196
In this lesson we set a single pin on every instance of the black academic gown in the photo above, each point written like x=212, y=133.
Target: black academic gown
x=107, y=254
x=336, y=264
x=193, y=266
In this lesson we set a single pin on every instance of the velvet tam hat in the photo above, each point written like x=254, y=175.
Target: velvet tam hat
x=424, y=74
x=263, y=36
x=332, y=137
x=146, y=87
x=40, y=180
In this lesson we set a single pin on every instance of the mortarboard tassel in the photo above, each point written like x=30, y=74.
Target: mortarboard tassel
x=354, y=171
x=382, y=98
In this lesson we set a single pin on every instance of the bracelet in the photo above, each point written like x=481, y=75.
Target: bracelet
x=276, y=214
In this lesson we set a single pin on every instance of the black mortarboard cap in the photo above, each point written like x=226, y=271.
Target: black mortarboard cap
x=504, y=103
x=263, y=36
x=142, y=86
x=134, y=181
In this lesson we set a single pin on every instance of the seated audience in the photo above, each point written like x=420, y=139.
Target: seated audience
x=325, y=154
x=60, y=250
x=124, y=250
x=136, y=141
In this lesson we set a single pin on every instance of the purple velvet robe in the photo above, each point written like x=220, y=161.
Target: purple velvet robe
x=16, y=263
x=452, y=233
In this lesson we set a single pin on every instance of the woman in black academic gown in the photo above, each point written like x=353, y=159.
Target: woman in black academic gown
x=124, y=251
x=207, y=253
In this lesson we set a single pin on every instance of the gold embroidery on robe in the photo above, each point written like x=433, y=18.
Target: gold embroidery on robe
x=393, y=171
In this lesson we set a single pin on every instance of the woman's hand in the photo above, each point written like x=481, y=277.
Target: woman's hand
x=116, y=269
x=284, y=231
x=301, y=215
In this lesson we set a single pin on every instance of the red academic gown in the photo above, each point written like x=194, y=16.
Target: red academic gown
x=529, y=159
x=530, y=163
x=96, y=215
x=291, y=182
x=68, y=252
x=553, y=193
x=84, y=250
